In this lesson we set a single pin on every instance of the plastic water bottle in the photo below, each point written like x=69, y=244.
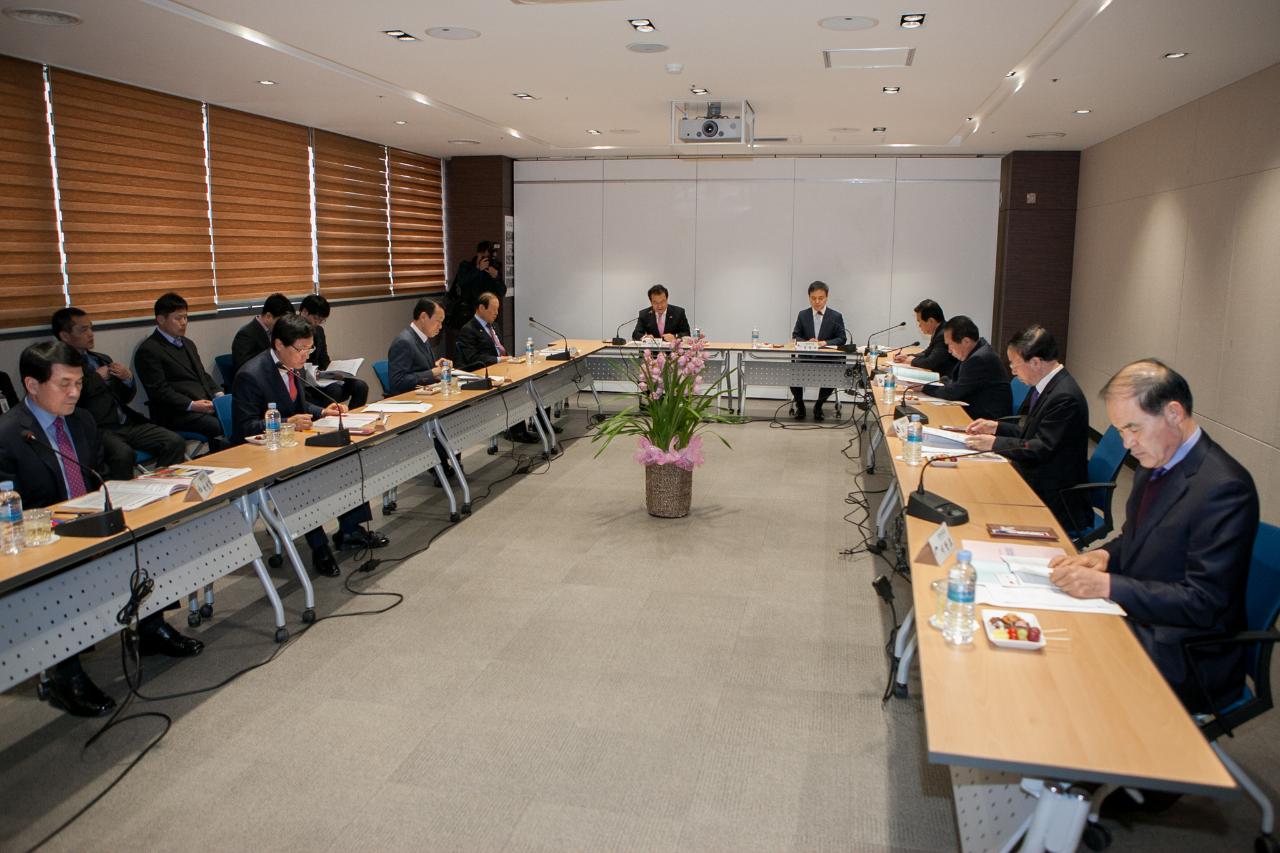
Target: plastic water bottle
x=271, y=427
x=697, y=333
x=913, y=448
x=528, y=350
x=755, y=338
x=962, y=580
x=446, y=378
x=11, y=539
x=890, y=388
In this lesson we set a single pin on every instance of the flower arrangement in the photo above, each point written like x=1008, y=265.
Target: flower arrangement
x=672, y=409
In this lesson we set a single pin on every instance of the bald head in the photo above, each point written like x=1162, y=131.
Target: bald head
x=1150, y=404
x=1152, y=384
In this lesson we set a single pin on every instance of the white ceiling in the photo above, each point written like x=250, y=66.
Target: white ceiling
x=336, y=70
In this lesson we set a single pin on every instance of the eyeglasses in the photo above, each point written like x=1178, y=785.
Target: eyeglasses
x=304, y=350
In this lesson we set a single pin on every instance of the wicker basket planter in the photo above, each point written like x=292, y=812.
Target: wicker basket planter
x=668, y=490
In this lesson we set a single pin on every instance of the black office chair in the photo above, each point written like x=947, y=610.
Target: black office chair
x=1104, y=466
x=7, y=394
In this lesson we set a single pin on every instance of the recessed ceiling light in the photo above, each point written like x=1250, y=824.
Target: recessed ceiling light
x=266, y=82
x=464, y=141
x=878, y=129
x=642, y=25
x=698, y=90
x=453, y=33
x=1177, y=54
x=646, y=47
x=524, y=96
x=401, y=121
x=399, y=35
x=43, y=17
x=1046, y=134
x=847, y=22
x=911, y=21
x=1012, y=74
x=594, y=132
x=1082, y=112
x=844, y=129
x=891, y=90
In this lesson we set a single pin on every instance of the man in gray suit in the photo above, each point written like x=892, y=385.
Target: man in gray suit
x=410, y=360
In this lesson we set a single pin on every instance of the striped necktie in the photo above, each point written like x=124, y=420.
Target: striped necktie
x=75, y=480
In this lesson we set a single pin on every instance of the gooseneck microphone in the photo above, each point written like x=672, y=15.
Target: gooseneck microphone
x=882, y=331
x=555, y=356
x=934, y=507
x=899, y=349
x=97, y=525
x=618, y=340
x=341, y=436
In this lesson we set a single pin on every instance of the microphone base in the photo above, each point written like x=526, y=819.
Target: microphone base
x=936, y=508
x=558, y=356
x=902, y=410
x=340, y=437
x=619, y=342
x=95, y=526
x=478, y=385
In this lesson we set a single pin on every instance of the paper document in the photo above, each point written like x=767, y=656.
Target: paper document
x=395, y=407
x=330, y=423
x=934, y=437
x=914, y=375
x=184, y=474
x=341, y=368
x=126, y=494
x=935, y=401
x=1013, y=575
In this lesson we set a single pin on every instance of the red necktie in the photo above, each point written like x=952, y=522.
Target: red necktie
x=497, y=343
x=75, y=480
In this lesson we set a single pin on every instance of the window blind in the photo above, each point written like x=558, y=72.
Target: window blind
x=351, y=216
x=417, y=222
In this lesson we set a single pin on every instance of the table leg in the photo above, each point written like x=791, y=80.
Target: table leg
x=269, y=515
x=456, y=462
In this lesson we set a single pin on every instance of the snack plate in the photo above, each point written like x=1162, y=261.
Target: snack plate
x=1003, y=640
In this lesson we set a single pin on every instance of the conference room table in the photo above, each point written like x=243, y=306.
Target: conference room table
x=60, y=598
x=1018, y=728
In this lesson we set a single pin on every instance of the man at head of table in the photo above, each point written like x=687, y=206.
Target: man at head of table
x=822, y=325
x=661, y=320
x=1180, y=565
x=978, y=380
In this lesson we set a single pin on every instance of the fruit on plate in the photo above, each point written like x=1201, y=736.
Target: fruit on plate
x=1014, y=627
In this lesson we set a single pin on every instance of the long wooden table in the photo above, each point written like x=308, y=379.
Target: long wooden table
x=1093, y=709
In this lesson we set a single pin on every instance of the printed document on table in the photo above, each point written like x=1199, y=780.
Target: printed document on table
x=395, y=407
x=1012, y=575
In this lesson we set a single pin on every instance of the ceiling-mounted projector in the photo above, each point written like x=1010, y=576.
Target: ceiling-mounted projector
x=712, y=121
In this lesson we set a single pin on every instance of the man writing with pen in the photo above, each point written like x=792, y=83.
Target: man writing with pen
x=275, y=376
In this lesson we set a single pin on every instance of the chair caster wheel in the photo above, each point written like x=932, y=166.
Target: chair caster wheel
x=492, y=451
x=389, y=509
x=309, y=615
x=282, y=634
x=900, y=691
x=1265, y=844
x=466, y=509
x=42, y=690
x=206, y=610
x=455, y=517
x=275, y=561
x=871, y=469
x=193, y=618
x=1096, y=836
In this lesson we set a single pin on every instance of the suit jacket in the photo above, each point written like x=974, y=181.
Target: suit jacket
x=936, y=356
x=173, y=376
x=257, y=384
x=1184, y=571
x=464, y=291
x=250, y=340
x=6, y=391
x=832, y=331
x=320, y=355
x=647, y=323
x=410, y=361
x=34, y=468
x=475, y=347
x=1050, y=447
x=980, y=382
x=104, y=399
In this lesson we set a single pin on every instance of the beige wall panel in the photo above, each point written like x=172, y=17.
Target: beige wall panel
x=1150, y=158
x=1262, y=461
x=1238, y=128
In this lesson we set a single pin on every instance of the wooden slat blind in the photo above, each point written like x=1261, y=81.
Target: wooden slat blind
x=131, y=173
x=31, y=274
x=261, y=206
x=417, y=222
x=351, y=216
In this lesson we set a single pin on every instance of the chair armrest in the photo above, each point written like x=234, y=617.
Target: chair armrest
x=1080, y=486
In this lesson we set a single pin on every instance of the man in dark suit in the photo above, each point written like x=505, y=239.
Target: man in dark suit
x=479, y=274
x=180, y=391
x=661, y=320
x=821, y=325
x=1050, y=442
x=349, y=389
x=108, y=388
x=979, y=380
x=255, y=336
x=275, y=376
x=53, y=374
x=1180, y=566
x=410, y=359
x=478, y=341
x=935, y=356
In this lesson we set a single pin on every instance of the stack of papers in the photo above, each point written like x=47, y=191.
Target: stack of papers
x=914, y=375
x=397, y=407
x=184, y=474
x=330, y=423
x=1018, y=576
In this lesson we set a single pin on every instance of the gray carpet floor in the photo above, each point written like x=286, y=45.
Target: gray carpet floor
x=564, y=673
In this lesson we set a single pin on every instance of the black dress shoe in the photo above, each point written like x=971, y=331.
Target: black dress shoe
x=323, y=563
x=163, y=640
x=522, y=435
x=800, y=413
x=557, y=428
x=817, y=414
x=78, y=695
x=359, y=538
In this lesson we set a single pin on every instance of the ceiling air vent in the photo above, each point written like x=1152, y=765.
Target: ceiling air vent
x=868, y=57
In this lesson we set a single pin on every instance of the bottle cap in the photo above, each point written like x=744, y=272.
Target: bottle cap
x=271, y=405
x=6, y=486
x=915, y=418
x=964, y=556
